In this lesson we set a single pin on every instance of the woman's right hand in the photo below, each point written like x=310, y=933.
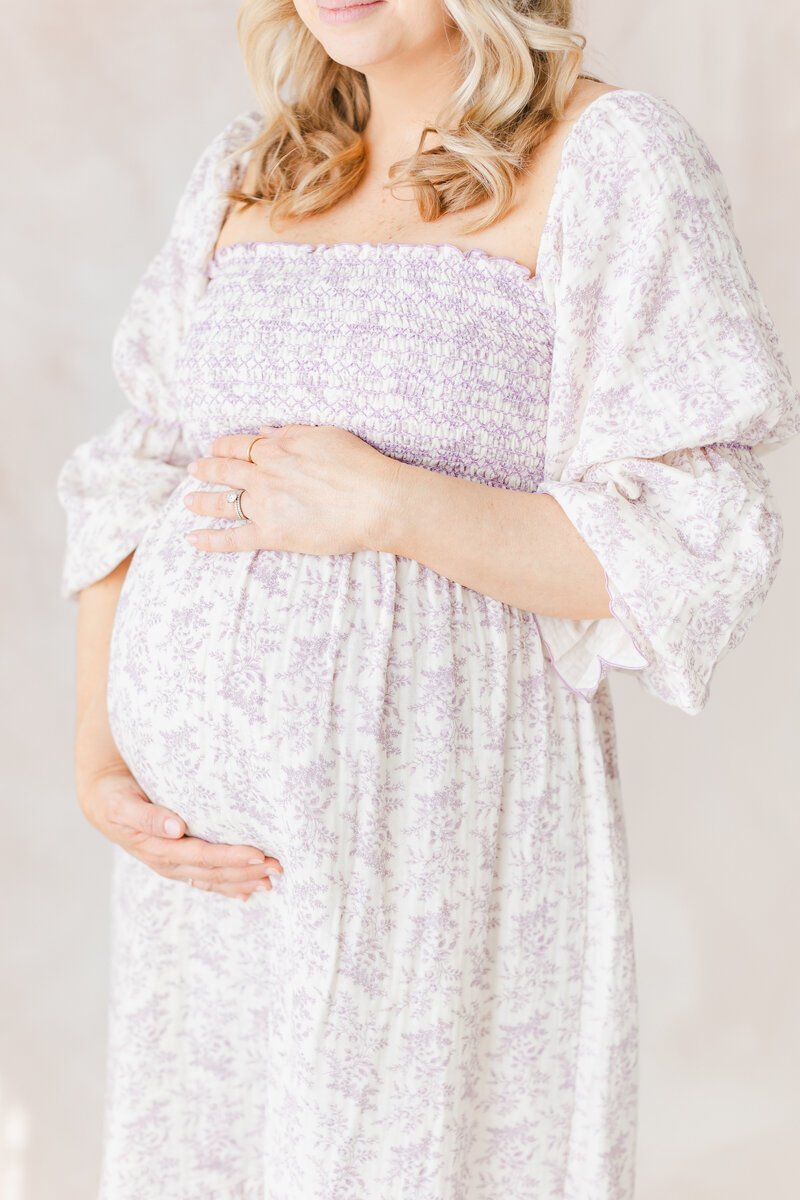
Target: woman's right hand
x=115, y=804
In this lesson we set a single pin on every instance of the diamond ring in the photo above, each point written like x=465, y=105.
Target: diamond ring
x=235, y=498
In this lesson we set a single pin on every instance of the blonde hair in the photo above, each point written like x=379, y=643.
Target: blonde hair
x=518, y=62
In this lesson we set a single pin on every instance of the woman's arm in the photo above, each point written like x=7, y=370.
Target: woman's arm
x=517, y=547
x=109, y=795
x=95, y=750
x=319, y=489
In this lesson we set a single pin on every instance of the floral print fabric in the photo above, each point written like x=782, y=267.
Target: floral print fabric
x=438, y=999
x=667, y=372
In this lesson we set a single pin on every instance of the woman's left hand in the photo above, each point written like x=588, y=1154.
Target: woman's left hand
x=314, y=489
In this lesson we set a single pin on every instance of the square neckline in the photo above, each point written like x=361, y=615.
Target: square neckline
x=529, y=280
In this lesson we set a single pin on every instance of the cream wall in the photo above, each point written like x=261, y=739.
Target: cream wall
x=105, y=108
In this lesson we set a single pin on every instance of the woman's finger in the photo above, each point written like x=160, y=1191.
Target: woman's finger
x=230, y=472
x=242, y=877
x=237, y=445
x=158, y=854
x=148, y=826
x=195, y=854
x=199, y=856
x=215, y=504
x=193, y=861
x=192, y=853
x=132, y=811
x=230, y=877
x=235, y=891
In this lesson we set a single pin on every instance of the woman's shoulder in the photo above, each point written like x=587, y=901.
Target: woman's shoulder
x=232, y=137
x=619, y=128
x=222, y=147
x=630, y=161
x=216, y=164
x=635, y=175
x=242, y=128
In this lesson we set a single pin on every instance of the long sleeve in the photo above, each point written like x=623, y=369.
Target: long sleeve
x=668, y=387
x=113, y=485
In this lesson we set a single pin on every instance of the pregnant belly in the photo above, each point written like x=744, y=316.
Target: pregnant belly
x=279, y=699
x=224, y=679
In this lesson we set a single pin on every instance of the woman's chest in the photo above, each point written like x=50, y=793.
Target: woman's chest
x=435, y=356
x=373, y=213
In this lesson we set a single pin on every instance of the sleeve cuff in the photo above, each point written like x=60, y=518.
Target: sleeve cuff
x=111, y=488
x=582, y=652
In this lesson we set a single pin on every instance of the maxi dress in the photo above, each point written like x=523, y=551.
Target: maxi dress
x=438, y=999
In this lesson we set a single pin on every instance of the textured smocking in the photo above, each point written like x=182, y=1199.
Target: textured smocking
x=497, y=264
x=383, y=339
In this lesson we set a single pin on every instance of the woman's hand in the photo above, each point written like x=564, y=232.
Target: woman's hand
x=313, y=489
x=115, y=804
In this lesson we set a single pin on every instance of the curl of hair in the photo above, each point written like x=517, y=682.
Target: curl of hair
x=517, y=60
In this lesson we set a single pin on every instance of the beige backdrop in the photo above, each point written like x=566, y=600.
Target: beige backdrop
x=106, y=107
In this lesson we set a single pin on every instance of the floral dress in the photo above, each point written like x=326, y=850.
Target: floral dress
x=438, y=999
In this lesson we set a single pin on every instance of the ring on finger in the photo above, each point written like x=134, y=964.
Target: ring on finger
x=260, y=438
x=235, y=498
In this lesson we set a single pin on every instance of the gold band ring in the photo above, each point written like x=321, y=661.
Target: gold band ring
x=260, y=438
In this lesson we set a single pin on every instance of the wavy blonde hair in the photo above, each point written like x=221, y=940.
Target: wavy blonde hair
x=518, y=61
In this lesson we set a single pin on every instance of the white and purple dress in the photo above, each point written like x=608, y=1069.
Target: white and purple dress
x=438, y=1000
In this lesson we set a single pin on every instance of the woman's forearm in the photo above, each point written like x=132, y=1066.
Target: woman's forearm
x=95, y=749
x=517, y=547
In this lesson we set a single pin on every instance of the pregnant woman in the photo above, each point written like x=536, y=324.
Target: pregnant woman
x=447, y=394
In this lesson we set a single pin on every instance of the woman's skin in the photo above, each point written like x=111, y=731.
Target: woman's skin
x=321, y=489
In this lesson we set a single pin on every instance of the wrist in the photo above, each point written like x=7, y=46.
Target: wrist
x=91, y=770
x=391, y=514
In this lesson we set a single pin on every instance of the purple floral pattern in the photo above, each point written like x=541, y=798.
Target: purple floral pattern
x=438, y=1000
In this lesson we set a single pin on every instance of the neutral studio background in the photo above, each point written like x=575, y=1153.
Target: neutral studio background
x=105, y=107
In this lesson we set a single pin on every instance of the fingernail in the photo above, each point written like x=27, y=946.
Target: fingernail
x=189, y=500
x=254, y=862
x=192, y=468
x=192, y=537
x=172, y=827
x=263, y=887
x=273, y=872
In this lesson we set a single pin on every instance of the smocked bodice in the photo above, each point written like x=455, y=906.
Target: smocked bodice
x=436, y=356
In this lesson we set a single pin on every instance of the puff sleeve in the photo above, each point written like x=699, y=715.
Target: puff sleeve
x=668, y=387
x=113, y=485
